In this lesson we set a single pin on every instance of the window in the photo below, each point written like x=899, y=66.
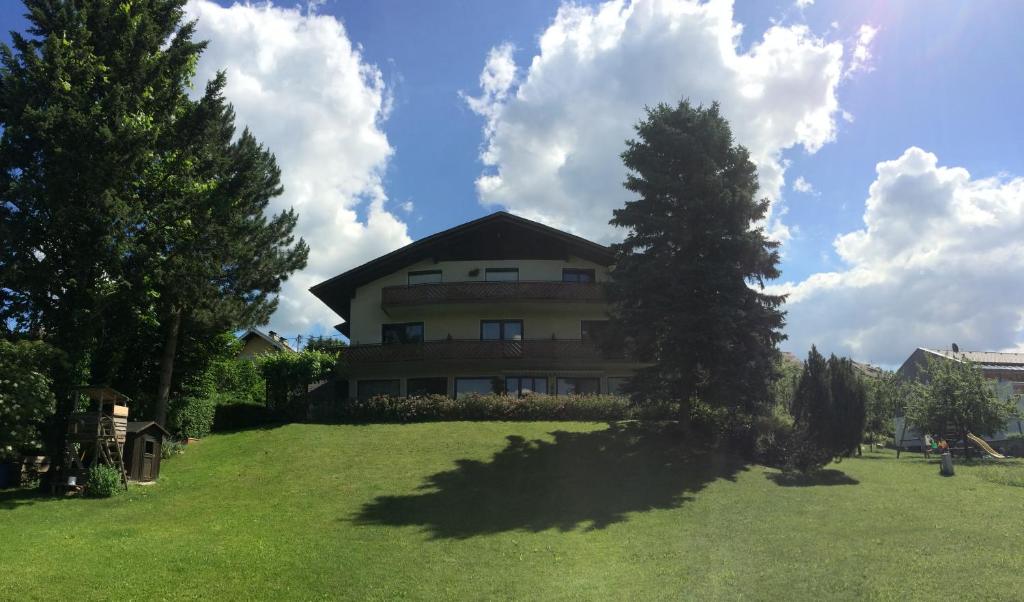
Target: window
x=501, y=330
x=367, y=389
x=617, y=384
x=410, y=332
x=424, y=277
x=427, y=386
x=524, y=385
x=501, y=274
x=577, y=275
x=468, y=386
x=593, y=330
x=579, y=385
x=150, y=448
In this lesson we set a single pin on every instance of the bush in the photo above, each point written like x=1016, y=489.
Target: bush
x=193, y=416
x=26, y=396
x=238, y=381
x=288, y=376
x=242, y=415
x=772, y=435
x=103, y=481
x=504, y=407
x=171, y=448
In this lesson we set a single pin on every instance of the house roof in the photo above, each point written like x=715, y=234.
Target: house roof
x=499, y=235
x=277, y=343
x=141, y=425
x=993, y=360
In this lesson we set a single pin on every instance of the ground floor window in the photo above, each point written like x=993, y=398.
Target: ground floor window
x=469, y=386
x=578, y=385
x=617, y=384
x=434, y=385
x=524, y=385
x=366, y=389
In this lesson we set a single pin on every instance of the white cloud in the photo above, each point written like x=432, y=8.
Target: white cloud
x=862, y=50
x=306, y=92
x=803, y=186
x=407, y=206
x=554, y=132
x=803, y=3
x=938, y=261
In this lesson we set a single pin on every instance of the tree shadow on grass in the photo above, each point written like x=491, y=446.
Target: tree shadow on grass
x=15, y=498
x=829, y=476
x=593, y=479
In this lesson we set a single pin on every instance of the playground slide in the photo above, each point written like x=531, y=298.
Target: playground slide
x=985, y=446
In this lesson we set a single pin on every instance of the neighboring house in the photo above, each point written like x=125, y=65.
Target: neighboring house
x=257, y=343
x=1006, y=370
x=499, y=304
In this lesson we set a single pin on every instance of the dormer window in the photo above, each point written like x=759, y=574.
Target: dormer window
x=501, y=275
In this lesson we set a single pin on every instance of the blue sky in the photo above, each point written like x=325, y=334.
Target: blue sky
x=394, y=152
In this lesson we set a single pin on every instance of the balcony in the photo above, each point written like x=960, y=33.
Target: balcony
x=471, y=350
x=474, y=292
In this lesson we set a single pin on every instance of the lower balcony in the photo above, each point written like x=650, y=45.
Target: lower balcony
x=468, y=350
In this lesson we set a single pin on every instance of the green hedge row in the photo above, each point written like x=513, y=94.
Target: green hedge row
x=502, y=407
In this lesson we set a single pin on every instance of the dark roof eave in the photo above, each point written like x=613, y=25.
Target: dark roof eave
x=343, y=285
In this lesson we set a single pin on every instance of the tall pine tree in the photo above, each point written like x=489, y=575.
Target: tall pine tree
x=214, y=259
x=85, y=94
x=688, y=279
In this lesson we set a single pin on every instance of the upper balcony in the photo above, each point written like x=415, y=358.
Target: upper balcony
x=482, y=291
x=546, y=350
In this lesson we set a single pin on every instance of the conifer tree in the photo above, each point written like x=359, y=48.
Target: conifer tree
x=688, y=278
x=812, y=442
x=849, y=406
x=85, y=94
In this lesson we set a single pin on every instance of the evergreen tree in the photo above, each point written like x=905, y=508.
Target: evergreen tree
x=849, y=407
x=85, y=95
x=688, y=278
x=215, y=261
x=811, y=445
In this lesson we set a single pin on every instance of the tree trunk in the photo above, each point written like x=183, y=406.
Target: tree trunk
x=167, y=366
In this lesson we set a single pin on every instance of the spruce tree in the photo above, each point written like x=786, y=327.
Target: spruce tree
x=216, y=262
x=688, y=283
x=85, y=94
x=849, y=406
x=812, y=442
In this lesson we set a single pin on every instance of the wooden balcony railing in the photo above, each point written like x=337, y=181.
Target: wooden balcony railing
x=461, y=349
x=461, y=292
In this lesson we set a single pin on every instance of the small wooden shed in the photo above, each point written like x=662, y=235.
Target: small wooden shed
x=142, y=450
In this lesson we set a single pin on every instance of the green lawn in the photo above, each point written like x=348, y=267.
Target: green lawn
x=516, y=510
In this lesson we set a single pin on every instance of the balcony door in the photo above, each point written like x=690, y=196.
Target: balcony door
x=408, y=332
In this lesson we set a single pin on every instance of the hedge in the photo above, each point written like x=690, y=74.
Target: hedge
x=503, y=407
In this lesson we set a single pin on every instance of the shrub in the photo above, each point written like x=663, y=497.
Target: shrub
x=26, y=396
x=288, y=376
x=192, y=414
x=242, y=415
x=103, y=481
x=504, y=407
x=771, y=436
x=238, y=381
x=171, y=448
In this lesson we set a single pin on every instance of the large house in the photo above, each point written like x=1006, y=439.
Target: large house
x=1005, y=370
x=498, y=304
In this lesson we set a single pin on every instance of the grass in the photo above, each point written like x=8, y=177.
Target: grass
x=515, y=511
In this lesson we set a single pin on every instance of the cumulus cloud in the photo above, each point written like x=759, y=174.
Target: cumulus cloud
x=803, y=186
x=938, y=261
x=303, y=88
x=555, y=128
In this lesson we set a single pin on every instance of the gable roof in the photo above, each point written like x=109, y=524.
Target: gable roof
x=141, y=425
x=499, y=235
x=277, y=344
x=991, y=360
